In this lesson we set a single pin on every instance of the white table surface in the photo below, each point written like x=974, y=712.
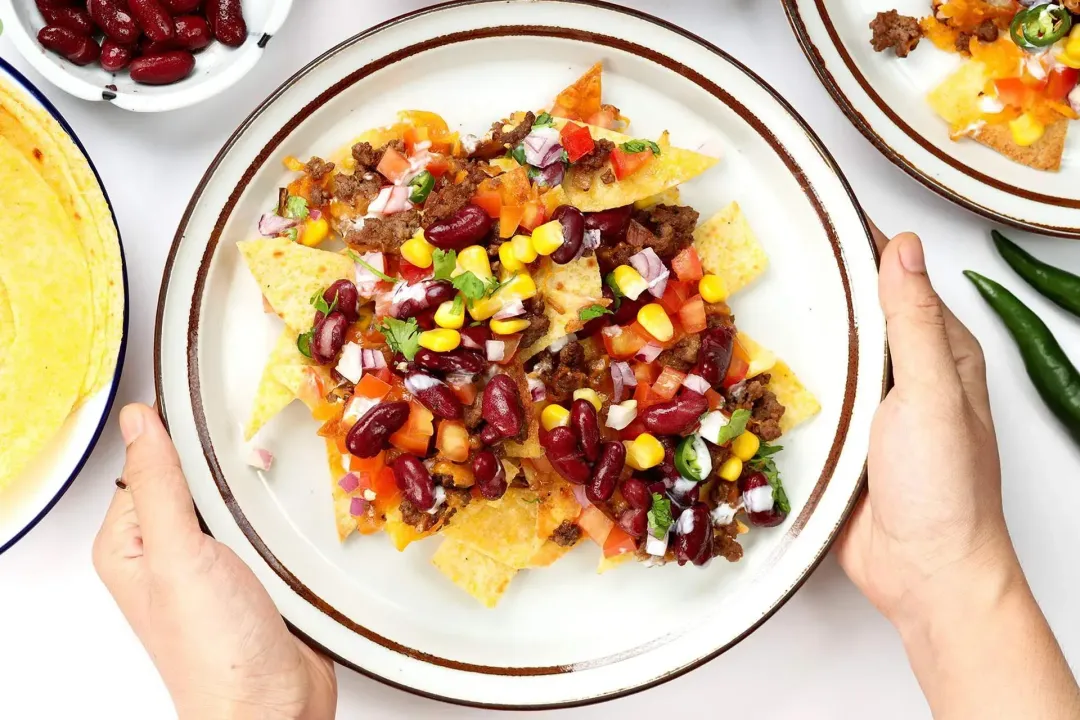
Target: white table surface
x=65, y=650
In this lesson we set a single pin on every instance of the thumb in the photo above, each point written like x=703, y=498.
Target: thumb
x=153, y=475
x=915, y=319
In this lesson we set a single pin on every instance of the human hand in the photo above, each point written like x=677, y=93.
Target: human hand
x=209, y=625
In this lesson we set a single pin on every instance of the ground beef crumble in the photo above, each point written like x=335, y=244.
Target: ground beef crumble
x=567, y=534
x=588, y=165
x=667, y=229
x=726, y=543
x=318, y=168
x=896, y=31
x=443, y=203
x=563, y=372
x=363, y=184
x=538, y=322
x=683, y=355
x=503, y=140
x=765, y=409
x=424, y=521
x=385, y=234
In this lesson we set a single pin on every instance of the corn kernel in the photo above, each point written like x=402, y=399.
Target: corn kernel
x=520, y=287
x=554, y=416
x=731, y=469
x=741, y=528
x=508, y=327
x=474, y=259
x=441, y=340
x=447, y=317
x=523, y=248
x=1072, y=45
x=713, y=289
x=591, y=395
x=417, y=250
x=630, y=282
x=656, y=322
x=745, y=446
x=548, y=238
x=644, y=452
x=315, y=231
x=508, y=259
x=1026, y=130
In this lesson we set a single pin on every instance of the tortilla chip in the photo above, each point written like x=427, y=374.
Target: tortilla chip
x=566, y=289
x=272, y=397
x=504, y=529
x=728, y=247
x=401, y=533
x=956, y=99
x=376, y=137
x=800, y=403
x=557, y=505
x=672, y=167
x=475, y=573
x=582, y=99
x=289, y=274
x=671, y=196
x=1044, y=154
x=549, y=553
x=343, y=519
x=613, y=562
x=762, y=359
x=530, y=446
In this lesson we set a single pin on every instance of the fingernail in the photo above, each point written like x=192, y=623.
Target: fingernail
x=911, y=255
x=131, y=423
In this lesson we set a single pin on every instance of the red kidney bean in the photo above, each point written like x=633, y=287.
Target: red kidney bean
x=343, y=295
x=659, y=487
x=693, y=535
x=75, y=19
x=435, y=395
x=371, y=433
x=114, y=56
x=44, y=5
x=329, y=336
x=562, y=452
x=79, y=49
x=459, y=360
x=490, y=475
x=192, y=32
x=435, y=293
x=612, y=224
x=636, y=492
x=474, y=337
x=666, y=470
x=181, y=7
x=574, y=469
x=605, y=473
x=114, y=20
x=501, y=406
x=153, y=18
x=467, y=226
x=573, y=232
x=153, y=47
x=490, y=435
x=675, y=416
x=227, y=21
x=628, y=309
x=762, y=518
x=163, y=68
x=587, y=428
x=714, y=356
x=635, y=522
x=414, y=481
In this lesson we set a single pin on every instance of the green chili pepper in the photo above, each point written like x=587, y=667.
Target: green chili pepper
x=688, y=459
x=1056, y=379
x=1041, y=26
x=1059, y=285
x=422, y=185
x=1016, y=29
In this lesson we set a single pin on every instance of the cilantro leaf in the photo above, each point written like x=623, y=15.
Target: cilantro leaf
x=592, y=312
x=377, y=273
x=458, y=306
x=296, y=208
x=764, y=463
x=610, y=282
x=472, y=287
x=303, y=342
x=659, y=516
x=518, y=153
x=402, y=336
x=736, y=426
x=292, y=234
x=544, y=119
x=636, y=146
x=445, y=262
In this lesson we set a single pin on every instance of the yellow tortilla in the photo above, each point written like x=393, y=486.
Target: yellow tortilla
x=566, y=289
x=504, y=530
x=46, y=288
x=473, y=571
x=800, y=403
x=289, y=274
x=729, y=248
x=672, y=167
x=271, y=397
x=762, y=359
x=343, y=519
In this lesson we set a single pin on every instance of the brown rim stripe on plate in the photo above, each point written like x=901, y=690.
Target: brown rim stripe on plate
x=193, y=373
x=864, y=126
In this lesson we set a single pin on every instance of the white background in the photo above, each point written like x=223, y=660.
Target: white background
x=65, y=651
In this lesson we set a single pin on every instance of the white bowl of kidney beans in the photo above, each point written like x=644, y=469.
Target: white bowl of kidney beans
x=143, y=55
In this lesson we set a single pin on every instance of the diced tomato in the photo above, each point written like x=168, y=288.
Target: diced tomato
x=393, y=165
x=438, y=165
x=386, y=489
x=668, y=383
x=412, y=274
x=618, y=542
x=605, y=118
x=1018, y=92
x=367, y=469
x=490, y=201
x=635, y=428
x=595, y=524
x=509, y=219
x=464, y=391
x=646, y=373
x=645, y=396
x=716, y=400
x=453, y=440
x=414, y=136
x=687, y=265
x=740, y=364
x=534, y=216
x=623, y=344
x=1061, y=82
x=372, y=387
x=692, y=315
x=510, y=347
x=415, y=436
x=675, y=295
x=626, y=164
x=576, y=140
x=383, y=374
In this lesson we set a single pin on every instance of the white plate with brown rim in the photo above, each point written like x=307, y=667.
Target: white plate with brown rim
x=885, y=97
x=566, y=635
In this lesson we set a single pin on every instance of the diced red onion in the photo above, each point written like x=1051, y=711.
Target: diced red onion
x=579, y=494
x=315, y=214
x=652, y=269
x=351, y=363
x=366, y=281
x=537, y=389
x=391, y=199
x=696, y=383
x=496, y=350
x=349, y=482
x=649, y=353
x=539, y=145
x=552, y=175
x=358, y=507
x=457, y=379
x=621, y=415
x=373, y=359
x=260, y=458
x=468, y=342
x=510, y=310
x=272, y=224
x=356, y=408
x=621, y=376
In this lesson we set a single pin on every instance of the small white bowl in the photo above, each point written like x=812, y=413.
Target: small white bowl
x=216, y=68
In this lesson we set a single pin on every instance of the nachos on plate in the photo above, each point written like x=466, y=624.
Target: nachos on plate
x=524, y=342
x=1016, y=89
